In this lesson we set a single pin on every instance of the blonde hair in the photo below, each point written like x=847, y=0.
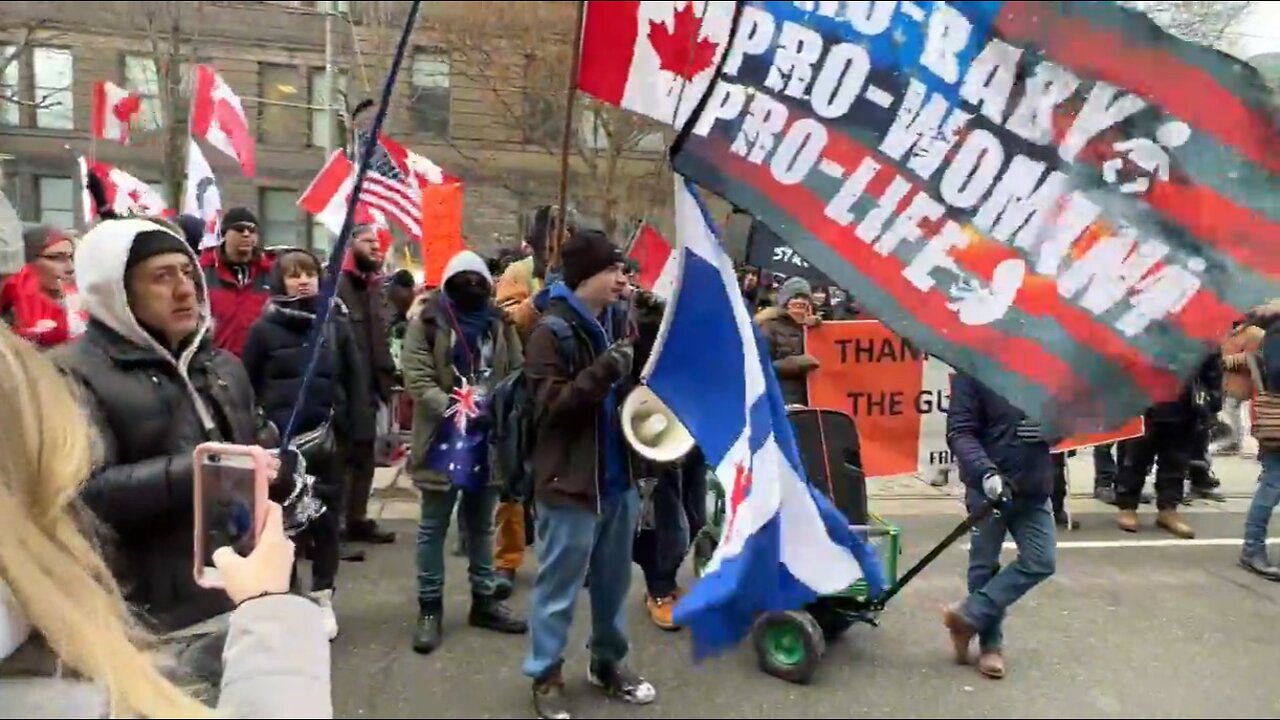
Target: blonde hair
x=61, y=582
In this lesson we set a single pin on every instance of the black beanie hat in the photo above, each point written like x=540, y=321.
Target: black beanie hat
x=235, y=216
x=150, y=243
x=586, y=253
x=193, y=228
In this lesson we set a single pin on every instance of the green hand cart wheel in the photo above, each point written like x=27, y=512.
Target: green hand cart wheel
x=789, y=645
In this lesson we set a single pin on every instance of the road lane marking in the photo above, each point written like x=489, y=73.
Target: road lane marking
x=1164, y=542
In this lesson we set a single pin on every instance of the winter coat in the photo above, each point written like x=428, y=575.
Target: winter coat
x=785, y=337
x=276, y=357
x=982, y=432
x=236, y=300
x=276, y=666
x=363, y=298
x=429, y=375
x=572, y=392
x=150, y=410
x=1200, y=399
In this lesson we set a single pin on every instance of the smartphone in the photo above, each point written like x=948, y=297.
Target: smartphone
x=231, y=484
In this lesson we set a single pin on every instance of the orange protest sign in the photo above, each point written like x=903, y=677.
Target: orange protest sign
x=879, y=379
x=441, y=228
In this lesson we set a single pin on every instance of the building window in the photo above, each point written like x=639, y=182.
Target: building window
x=10, y=110
x=324, y=113
x=57, y=201
x=53, y=76
x=321, y=239
x=280, y=218
x=429, y=104
x=140, y=77
x=282, y=111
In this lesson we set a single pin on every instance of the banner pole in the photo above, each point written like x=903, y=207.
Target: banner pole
x=553, y=252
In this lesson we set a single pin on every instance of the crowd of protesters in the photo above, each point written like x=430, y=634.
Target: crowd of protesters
x=166, y=347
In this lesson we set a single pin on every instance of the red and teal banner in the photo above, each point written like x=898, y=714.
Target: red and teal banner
x=1058, y=198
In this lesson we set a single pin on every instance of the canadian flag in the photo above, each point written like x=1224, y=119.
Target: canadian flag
x=218, y=117
x=658, y=261
x=653, y=57
x=113, y=110
x=126, y=194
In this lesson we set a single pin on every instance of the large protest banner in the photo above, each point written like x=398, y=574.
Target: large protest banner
x=898, y=397
x=1057, y=197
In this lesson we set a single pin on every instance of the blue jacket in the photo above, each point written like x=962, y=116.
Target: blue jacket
x=982, y=432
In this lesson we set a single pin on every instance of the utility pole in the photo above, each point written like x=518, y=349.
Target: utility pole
x=331, y=127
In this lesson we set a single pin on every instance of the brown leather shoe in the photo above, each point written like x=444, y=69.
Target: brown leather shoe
x=961, y=633
x=1128, y=520
x=991, y=664
x=1171, y=521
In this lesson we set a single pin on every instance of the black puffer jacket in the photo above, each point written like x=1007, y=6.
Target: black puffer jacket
x=143, y=488
x=150, y=408
x=276, y=355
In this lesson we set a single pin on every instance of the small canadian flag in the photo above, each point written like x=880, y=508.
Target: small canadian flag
x=218, y=117
x=653, y=57
x=113, y=109
x=658, y=261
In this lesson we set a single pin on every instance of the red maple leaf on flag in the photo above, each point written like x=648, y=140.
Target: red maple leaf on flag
x=741, y=488
x=680, y=49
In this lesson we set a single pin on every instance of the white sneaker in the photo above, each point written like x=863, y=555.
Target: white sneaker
x=324, y=598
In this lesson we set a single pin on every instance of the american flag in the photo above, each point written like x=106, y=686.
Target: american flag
x=392, y=186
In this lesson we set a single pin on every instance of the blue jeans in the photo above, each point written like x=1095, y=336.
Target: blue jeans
x=993, y=589
x=476, y=510
x=572, y=543
x=1265, y=499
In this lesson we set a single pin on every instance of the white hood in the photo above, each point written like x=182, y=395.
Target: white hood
x=464, y=261
x=100, y=259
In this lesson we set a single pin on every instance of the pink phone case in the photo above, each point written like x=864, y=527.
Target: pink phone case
x=262, y=472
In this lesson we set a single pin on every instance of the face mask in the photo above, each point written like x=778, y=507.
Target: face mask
x=470, y=296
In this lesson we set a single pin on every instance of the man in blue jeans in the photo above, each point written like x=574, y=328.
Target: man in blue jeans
x=1253, y=556
x=1001, y=453
x=579, y=362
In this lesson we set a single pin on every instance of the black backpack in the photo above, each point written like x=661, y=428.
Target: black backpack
x=515, y=422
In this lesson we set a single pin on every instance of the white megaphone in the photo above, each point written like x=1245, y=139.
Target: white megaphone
x=652, y=429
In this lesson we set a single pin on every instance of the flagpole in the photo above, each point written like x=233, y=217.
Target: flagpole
x=553, y=252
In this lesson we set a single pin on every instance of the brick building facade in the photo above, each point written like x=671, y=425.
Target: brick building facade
x=464, y=98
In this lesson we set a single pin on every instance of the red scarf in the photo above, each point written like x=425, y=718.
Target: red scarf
x=34, y=315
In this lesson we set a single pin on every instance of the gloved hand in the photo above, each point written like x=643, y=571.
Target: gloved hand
x=621, y=355
x=993, y=486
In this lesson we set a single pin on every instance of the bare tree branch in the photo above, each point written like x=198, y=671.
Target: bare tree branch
x=33, y=33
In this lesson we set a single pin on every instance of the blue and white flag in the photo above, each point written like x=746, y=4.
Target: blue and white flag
x=784, y=542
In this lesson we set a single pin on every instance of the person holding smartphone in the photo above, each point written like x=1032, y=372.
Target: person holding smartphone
x=154, y=387
x=276, y=357
x=68, y=645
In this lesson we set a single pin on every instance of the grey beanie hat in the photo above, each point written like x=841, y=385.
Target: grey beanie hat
x=794, y=287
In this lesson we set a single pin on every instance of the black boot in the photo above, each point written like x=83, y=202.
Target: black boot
x=367, y=531
x=504, y=583
x=490, y=613
x=429, y=634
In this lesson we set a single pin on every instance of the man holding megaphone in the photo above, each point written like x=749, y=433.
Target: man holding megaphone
x=580, y=363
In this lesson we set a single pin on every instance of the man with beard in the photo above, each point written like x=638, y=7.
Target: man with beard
x=360, y=289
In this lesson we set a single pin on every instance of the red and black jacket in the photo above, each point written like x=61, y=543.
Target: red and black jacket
x=236, y=296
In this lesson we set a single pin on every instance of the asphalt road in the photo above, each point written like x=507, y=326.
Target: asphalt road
x=1157, y=630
